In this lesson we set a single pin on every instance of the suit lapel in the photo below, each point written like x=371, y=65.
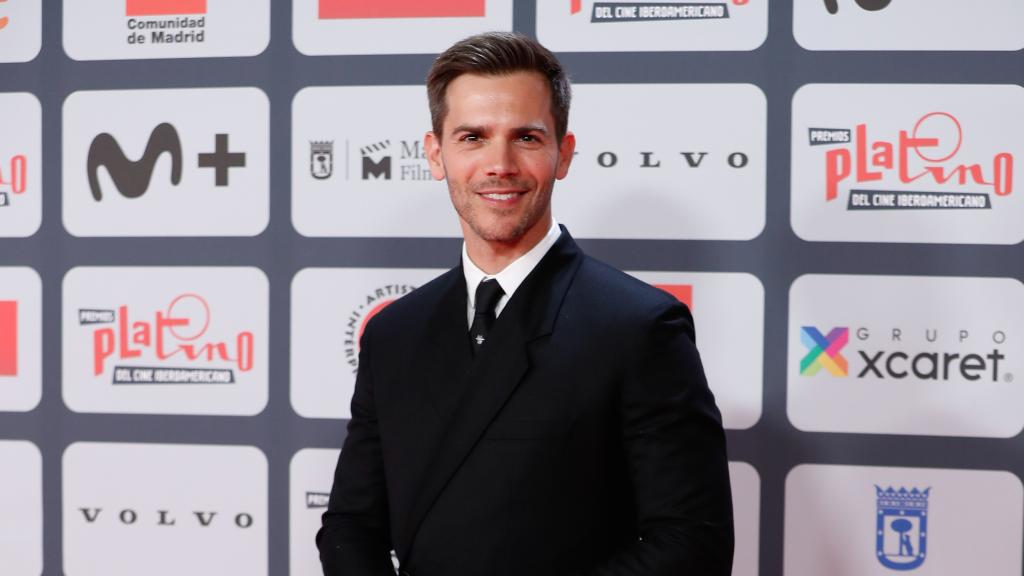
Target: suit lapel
x=495, y=374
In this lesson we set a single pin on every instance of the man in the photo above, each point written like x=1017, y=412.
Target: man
x=531, y=412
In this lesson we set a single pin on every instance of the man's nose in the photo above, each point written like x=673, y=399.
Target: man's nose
x=501, y=160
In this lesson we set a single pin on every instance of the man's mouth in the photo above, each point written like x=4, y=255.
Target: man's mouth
x=501, y=196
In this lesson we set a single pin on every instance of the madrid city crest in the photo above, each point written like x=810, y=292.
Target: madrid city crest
x=902, y=527
x=321, y=159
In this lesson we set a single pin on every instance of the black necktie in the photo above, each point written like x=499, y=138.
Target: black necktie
x=487, y=295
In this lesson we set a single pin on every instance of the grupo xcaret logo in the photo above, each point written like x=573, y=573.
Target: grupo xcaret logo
x=906, y=355
x=939, y=355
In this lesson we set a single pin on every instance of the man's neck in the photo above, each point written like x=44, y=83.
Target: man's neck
x=493, y=257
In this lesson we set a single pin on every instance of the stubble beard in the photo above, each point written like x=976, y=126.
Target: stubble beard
x=501, y=232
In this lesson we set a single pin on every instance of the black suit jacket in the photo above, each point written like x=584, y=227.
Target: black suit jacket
x=582, y=439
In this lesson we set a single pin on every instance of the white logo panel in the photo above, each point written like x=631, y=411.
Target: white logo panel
x=165, y=340
x=142, y=29
x=330, y=309
x=908, y=163
x=746, y=510
x=21, y=524
x=310, y=478
x=164, y=509
x=875, y=521
x=908, y=25
x=640, y=172
x=361, y=170
x=166, y=162
x=600, y=26
x=21, y=30
x=21, y=155
x=728, y=314
x=906, y=355
x=322, y=27
x=21, y=339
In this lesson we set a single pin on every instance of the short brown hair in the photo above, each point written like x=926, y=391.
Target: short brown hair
x=492, y=54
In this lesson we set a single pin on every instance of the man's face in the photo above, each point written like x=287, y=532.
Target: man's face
x=500, y=156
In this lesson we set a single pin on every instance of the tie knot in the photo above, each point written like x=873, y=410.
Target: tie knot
x=488, y=292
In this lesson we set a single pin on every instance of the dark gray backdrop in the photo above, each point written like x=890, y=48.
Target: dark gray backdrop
x=777, y=256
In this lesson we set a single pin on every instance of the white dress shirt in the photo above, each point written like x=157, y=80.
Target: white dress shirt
x=511, y=277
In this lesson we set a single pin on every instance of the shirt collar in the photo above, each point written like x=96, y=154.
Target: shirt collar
x=514, y=274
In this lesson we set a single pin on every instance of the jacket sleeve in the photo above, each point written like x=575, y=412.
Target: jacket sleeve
x=354, y=539
x=675, y=451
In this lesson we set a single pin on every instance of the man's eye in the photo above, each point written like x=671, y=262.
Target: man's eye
x=471, y=138
x=528, y=138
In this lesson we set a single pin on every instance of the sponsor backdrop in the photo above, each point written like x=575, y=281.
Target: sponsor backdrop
x=202, y=203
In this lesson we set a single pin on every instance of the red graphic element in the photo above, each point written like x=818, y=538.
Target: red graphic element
x=376, y=309
x=400, y=8
x=8, y=338
x=936, y=139
x=576, y=6
x=187, y=318
x=3, y=20
x=682, y=292
x=164, y=7
x=17, y=174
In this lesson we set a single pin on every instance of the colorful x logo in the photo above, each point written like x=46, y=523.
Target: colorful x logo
x=824, y=351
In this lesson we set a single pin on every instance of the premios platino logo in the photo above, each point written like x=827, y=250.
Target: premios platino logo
x=648, y=11
x=170, y=344
x=918, y=168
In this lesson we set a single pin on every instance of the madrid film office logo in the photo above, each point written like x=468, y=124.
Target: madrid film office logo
x=949, y=354
x=925, y=157
x=132, y=177
x=377, y=160
x=870, y=5
x=347, y=9
x=8, y=338
x=173, y=340
x=13, y=180
x=654, y=11
x=901, y=528
x=4, y=20
x=165, y=21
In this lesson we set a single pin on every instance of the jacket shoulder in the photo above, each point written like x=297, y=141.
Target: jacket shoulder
x=418, y=304
x=613, y=289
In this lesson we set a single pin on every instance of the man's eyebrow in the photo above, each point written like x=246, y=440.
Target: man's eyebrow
x=532, y=128
x=518, y=130
x=468, y=128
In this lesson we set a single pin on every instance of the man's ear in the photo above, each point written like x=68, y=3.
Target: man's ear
x=432, y=146
x=566, y=148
